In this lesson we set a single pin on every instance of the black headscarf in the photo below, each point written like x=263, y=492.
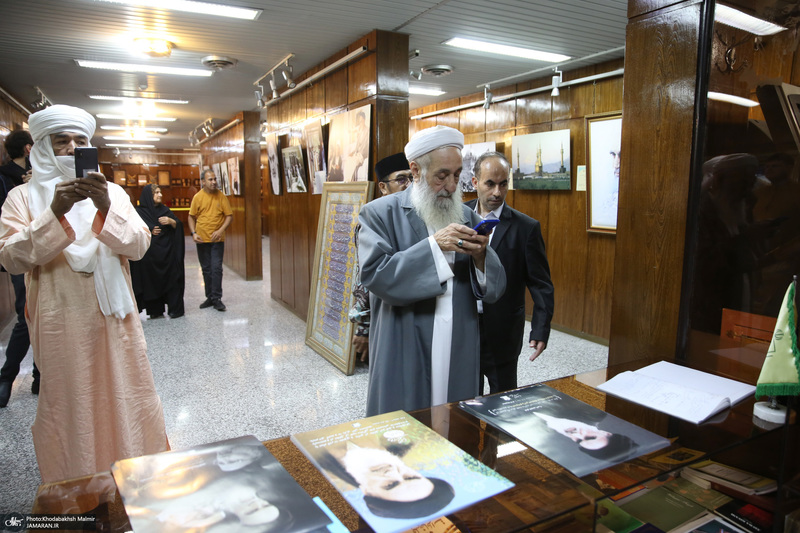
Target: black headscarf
x=161, y=268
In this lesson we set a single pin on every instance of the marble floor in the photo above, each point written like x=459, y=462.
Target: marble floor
x=246, y=371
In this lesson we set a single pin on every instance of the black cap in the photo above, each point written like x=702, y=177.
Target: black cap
x=390, y=164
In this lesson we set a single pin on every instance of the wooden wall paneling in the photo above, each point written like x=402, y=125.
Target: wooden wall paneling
x=599, y=284
x=608, y=95
x=421, y=124
x=287, y=221
x=448, y=119
x=266, y=190
x=658, y=119
x=502, y=115
x=567, y=244
x=336, y=84
x=362, y=73
x=473, y=119
x=315, y=96
x=561, y=105
x=299, y=110
x=250, y=176
x=641, y=7
x=303, y=259
x=474, y=138
x=581, y=101
x=535, y=108
x=390, y=134
x=502, y=139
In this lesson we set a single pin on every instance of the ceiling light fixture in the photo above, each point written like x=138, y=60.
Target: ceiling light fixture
x=487, y=97
x=130, y=137
x=190, y=6
x=731, y=99
x=558, y=77
x=153, y=47
x=502, y=49
x=288, y=77
x=426, y=91
x=738, y=19
x=290, y=83
x=416, y=74
x=122, y=127
x=272, y=86
x=138, y=99
x=113, y=145
x=42, y=101
x=149, y=69
x=135, y=117
x=260, y=97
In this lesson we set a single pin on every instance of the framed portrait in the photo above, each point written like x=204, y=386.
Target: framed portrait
x=349, y=145
x=223, y=179
x=233, y=174
x=541, y=161
x=329, y=331
x=294, y=169
x=120, y=178
x=315, y=154
x=274, y=164
x=142, y=180
x=603, y=139
x=469, y=154
x=163, y=178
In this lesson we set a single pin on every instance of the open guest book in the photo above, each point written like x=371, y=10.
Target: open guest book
x=232, y=485
x=678, y=391
x=396, y=472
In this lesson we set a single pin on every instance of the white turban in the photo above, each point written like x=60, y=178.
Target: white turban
x=86, y=253
x=431, y=139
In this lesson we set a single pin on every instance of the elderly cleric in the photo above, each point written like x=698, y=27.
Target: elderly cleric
x=425, y=268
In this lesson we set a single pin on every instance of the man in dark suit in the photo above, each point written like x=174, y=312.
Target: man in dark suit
x=517, y=239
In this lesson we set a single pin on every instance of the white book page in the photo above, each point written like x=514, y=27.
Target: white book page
x=676, y=400
x=701, y=381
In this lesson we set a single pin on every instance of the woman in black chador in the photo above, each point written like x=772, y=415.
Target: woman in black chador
x=159, y=278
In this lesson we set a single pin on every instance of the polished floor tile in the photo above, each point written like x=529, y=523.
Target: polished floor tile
x=245, y=371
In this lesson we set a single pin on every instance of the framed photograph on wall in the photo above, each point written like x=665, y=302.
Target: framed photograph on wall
x=315, y=152
x=329, y=331
x=143, y=180
x=349, y=145
x=541, y=161
x=274, y=164
x=120, y=178
x=603, y=140
x=223, y=179
x=233, y=173
x=293, y=169
x=469, y=154
x=163, y=178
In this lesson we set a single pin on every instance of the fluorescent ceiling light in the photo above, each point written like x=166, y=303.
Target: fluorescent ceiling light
x=133, y=99
x=150, y=69
x=427, y=91
x=189, y=6
x=111, y=145
x=136, y=117
x=731, y=99
x=129, y=138
x=493, y=48
x=737, y=19
x=122, y=127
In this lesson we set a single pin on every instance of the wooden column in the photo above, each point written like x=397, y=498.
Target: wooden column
x=658, y=125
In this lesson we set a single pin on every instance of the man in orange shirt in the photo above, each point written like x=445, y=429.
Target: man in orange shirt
x=209, y=216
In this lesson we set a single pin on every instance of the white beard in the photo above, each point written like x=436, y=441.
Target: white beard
x=437, y=210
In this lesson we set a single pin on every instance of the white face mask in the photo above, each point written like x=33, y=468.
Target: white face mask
x=66, y=164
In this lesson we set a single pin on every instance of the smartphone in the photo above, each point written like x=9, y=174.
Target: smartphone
x=484, y=227
x=85, y=160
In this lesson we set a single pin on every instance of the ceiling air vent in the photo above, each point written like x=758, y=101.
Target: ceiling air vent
x=219, y=62
x=437, y=70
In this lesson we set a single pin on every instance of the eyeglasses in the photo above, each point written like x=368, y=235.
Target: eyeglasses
x=401, y=180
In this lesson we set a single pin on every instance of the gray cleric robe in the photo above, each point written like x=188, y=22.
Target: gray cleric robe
x=397, y=267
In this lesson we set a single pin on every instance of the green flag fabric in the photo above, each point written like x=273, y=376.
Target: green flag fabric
x=780, y=375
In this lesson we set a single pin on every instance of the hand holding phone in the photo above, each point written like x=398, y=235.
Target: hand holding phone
x=485, y=227
x=86, y=160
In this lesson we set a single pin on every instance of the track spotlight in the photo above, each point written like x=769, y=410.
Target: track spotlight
x=116, y=152
x=288, y=77
x=42, y=100
x=487, y=97
x=416, y=74
x=557, y=79
x=260, y=96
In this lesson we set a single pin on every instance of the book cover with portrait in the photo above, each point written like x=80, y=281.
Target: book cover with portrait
x=231, y=485
x=579, y=437
x=396, y=472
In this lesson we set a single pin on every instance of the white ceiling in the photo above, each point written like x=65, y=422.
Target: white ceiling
x=40, y=39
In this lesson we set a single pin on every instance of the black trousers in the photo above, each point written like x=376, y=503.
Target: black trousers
x=210, y=256
x=19, y=342
x=502, y=376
